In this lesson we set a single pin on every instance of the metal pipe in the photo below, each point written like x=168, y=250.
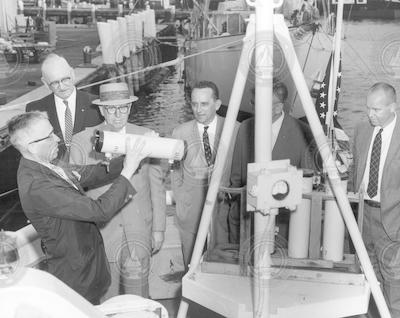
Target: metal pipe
x=226, y=136
x=335, y=63
x=323, y=146
x=264, y=223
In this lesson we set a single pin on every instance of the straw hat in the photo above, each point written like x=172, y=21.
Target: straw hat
x=114, y=94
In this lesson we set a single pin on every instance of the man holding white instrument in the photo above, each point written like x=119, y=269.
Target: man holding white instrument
x=137, y=232
x=53, y=199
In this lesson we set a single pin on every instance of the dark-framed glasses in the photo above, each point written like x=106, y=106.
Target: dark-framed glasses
x=65, y=81
x=113, y=109
x=41, y=139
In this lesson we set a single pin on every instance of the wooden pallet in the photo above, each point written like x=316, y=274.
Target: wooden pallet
x=241, y=254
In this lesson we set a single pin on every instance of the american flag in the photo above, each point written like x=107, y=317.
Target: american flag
x=322, y=101
x=340, y=141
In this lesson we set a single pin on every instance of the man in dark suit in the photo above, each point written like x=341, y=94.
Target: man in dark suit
x=191, y=176
x=376, y=171
x=290, y=140
x=69, y=110
x=53, y=199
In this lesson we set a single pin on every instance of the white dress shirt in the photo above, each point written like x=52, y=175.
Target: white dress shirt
x=211, y=131
x=60, y=107
x=387, y=133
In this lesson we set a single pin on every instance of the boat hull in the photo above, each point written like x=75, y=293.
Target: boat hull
x=219, y=64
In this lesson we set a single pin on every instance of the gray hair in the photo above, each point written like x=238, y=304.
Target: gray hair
x=19, y=124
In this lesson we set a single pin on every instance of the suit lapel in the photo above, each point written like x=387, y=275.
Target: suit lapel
x=35, y=167
x=393, y=148
x=217, y=138
x=281, y=138
x=53, y=118
x=80, y=104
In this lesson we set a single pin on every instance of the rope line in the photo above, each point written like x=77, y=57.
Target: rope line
x=165, y=64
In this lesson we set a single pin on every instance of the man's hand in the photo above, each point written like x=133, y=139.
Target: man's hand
x=157, y=239
x=134, y=155
x=151, y=133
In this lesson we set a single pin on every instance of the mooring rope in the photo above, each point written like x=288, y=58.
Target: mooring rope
x=165, y=64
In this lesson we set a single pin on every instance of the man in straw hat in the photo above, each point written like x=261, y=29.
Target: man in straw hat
x=137, y=232
x=69, y=110
x=53, y=199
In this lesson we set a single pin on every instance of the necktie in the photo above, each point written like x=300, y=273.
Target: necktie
x=68, y=126
x=372, y=189
x=207, y=148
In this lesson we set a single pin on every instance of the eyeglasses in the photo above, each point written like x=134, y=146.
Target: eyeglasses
x=65, y=81
x=113, y=109
x=41, y=139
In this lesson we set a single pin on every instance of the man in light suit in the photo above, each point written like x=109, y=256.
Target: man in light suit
x=53, y=199
x=69, y=110
x=291, y=139
x=191, y=176
x=376, y=171
x=137, y=231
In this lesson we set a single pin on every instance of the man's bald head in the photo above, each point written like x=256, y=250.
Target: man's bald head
x=381, y=104
x=58, y=75
x=385, y=90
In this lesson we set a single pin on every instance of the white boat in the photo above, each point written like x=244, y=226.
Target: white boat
x=220, y=40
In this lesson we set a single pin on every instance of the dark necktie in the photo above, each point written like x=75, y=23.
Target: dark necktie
x=372, y=189
x=68, y=126
x=207, y=148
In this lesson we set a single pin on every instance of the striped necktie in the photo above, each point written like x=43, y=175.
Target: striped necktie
x=68, y=126
x=207, y=148
x=372, y=189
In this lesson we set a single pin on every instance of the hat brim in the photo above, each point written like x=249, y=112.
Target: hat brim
x=115, y=101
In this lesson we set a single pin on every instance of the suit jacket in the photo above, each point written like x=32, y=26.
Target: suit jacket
x=390, y=183
x=190, y=178
x=291, y=143
x=147, y=210
x=65, y=219
x=86, y=115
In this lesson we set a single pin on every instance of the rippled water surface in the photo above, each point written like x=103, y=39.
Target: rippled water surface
x=164, y=109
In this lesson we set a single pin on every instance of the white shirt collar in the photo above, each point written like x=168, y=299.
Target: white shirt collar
x=212, y=127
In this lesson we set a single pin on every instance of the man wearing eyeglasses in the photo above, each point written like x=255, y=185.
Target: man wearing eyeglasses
x=69, y=110
x=137, y=232
x=53, y=199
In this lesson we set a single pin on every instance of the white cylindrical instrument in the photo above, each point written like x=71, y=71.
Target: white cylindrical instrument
x=299, y=224
x=161, y=148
